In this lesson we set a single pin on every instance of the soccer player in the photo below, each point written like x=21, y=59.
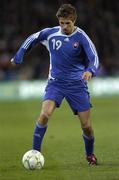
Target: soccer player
x=73, y=61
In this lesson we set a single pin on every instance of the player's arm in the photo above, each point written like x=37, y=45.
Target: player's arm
x=30, y=42
x=91, y=53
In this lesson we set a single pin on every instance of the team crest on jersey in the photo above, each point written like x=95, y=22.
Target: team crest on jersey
x=75, y=45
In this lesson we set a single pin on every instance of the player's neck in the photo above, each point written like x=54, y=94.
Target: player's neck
x=73, y=30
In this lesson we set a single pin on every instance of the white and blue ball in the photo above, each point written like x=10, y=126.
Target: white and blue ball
x=32, y=160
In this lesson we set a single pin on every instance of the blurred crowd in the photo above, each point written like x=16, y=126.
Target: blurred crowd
x=19, y=19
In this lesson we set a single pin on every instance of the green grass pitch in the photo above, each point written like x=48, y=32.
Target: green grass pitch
x=63, y=146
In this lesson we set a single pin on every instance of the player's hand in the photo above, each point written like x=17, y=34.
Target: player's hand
x=13, y=65
x=87, y=75
x=12, y=62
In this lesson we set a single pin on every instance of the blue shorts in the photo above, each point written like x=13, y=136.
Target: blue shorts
x=76, y=94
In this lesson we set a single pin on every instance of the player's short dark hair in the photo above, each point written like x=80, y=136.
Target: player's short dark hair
x=67, y=11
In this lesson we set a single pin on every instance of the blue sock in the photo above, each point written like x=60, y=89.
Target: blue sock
x=39, y=132
x=89, y=145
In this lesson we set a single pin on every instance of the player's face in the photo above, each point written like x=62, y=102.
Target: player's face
x=67, y=25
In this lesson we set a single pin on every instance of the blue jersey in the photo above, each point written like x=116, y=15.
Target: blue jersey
x=70, y=55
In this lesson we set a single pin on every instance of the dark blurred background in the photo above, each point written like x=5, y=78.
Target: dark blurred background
x=19, y=19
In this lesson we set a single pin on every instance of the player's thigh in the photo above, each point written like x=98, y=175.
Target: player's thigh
x=85, y=118
x=54, y=93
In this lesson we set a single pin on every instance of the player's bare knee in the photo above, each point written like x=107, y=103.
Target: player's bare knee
x=45, y=115
x=42, y=119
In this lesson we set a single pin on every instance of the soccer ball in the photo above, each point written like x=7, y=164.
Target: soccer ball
x=33, y=159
